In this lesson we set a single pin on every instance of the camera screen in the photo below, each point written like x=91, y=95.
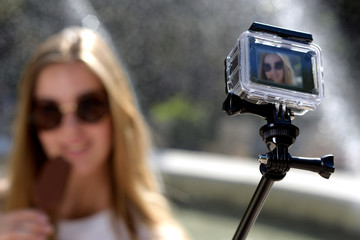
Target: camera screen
x=282, y=68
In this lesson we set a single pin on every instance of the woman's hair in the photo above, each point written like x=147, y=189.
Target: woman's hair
x=288, y=71
x=133, y=185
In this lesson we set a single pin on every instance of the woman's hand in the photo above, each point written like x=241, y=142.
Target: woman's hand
x=24, y=225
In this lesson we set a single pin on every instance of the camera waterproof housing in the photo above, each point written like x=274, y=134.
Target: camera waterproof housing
x=278, y=66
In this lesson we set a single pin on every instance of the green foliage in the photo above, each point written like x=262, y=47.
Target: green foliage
x=179, y=122
x=177, y=108
x=8, y=8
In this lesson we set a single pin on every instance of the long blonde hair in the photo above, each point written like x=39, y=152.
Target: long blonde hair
x=134, y=186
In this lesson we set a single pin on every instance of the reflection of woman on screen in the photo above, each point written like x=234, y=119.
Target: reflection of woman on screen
x=276, y=68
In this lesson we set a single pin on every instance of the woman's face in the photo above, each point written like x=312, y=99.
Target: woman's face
x=85, y=144
x=273, y=68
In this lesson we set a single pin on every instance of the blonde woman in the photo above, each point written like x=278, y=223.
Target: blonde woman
x=75, y=102
x=276, y=68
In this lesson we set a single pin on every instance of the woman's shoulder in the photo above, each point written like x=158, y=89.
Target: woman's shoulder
x=166, y=229
x=170, y=232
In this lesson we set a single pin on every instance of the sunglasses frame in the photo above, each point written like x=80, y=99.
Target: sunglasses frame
x=279, y=65
x=89, y=107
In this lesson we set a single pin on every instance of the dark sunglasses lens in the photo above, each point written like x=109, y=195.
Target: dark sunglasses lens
x=92, y=109
x=267, y=67
x=46, y=116
x=278, y=65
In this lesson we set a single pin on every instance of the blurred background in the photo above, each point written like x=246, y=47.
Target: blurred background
x=174, y=52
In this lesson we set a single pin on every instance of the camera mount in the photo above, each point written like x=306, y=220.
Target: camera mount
x=278, y=135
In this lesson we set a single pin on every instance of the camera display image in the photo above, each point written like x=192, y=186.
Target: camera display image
x=280, y=67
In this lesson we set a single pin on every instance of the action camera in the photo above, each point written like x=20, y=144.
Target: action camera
x=278, y=66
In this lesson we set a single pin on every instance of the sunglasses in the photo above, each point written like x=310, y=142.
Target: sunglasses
x=89, y=108
x=278, y=66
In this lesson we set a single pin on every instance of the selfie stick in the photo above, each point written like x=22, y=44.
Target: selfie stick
x=278, y=134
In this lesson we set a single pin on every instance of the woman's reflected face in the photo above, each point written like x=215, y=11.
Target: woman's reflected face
x=273, y=67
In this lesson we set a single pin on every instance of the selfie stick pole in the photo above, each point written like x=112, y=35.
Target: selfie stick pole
x=278, y=134
x=254, y=208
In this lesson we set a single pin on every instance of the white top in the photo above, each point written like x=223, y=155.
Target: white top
x=94, y=227
x=101, y=226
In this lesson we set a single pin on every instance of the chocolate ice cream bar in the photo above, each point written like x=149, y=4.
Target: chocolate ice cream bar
x=51, y=185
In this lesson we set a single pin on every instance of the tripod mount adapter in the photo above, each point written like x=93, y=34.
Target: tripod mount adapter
x=278, y=134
